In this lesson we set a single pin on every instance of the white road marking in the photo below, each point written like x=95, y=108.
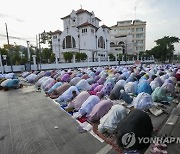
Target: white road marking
x=105, y=150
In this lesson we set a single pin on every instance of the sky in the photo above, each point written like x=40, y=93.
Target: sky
x=27, y=18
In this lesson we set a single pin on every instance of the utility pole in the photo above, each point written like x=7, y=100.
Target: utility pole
x=10, y=54
x=37, y=51
x=29, y=55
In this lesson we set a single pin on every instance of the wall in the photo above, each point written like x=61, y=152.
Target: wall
x=21, y=68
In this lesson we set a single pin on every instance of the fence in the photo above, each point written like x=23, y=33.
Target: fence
x=21, y=68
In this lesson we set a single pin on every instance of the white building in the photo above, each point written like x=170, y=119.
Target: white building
x=82, y=33
x=56, y=42
x=130, y=35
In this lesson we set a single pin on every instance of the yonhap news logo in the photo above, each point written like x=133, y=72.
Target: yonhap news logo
x=129, y=139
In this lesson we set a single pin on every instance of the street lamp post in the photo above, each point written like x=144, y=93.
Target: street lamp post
x=28, y=65
x=29, y=56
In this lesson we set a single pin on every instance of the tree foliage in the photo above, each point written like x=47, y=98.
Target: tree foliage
x=80, y=56
x=83, y=56
x=68, y=56
x=164, y=48
x=111, y=56
x=47, y=56
x=45, y=37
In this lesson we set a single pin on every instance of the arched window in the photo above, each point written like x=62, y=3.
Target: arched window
x=101, y=42
x=112, y=44
x=121, y=43
x=69, y=42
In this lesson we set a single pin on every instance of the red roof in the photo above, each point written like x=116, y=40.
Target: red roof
x=87, y=24
x=56, y=32
x=97, y=18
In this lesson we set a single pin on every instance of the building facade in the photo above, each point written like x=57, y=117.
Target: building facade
x=82, y=33
x=128, y=37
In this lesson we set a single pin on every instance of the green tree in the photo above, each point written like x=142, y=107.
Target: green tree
x=52, y=57
x=78, y=56
x=130, y=57
x=46, y=55
x=111, y=56
x=16, y=59
x=164, y=48
x=83, y=56
x=3, y=51
x=68, y=56
x=46, y=37
x=120, y=56
x=24, y=58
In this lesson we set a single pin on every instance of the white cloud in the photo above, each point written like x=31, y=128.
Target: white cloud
x=28, y=18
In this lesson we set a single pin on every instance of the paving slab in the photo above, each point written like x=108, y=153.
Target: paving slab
x=31, y=123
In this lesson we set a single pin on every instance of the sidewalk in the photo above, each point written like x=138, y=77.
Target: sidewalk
x=32, y=123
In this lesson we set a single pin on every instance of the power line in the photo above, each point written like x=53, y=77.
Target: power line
x=19, y=33
x=18, y=38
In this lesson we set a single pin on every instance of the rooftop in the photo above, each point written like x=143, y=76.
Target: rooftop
x=56, y=32
x=86, y=24
x=79, y=12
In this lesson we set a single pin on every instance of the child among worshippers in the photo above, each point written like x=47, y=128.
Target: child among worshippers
x=125, y=97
